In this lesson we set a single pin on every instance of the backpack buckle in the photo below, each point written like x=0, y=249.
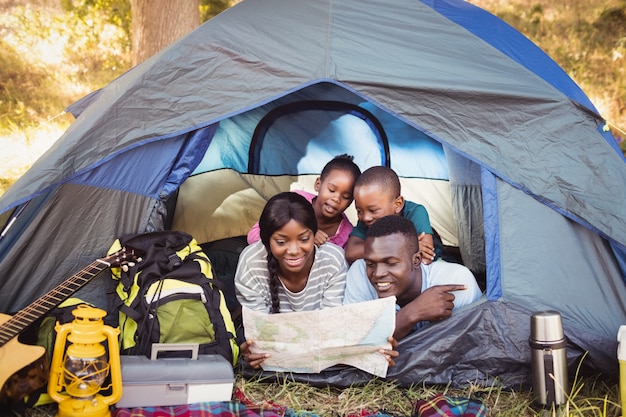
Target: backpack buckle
x=174, y=261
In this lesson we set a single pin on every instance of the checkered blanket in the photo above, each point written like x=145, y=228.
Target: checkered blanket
x=240, y=407
x=437, y=406
x=205, y=409
x=443, y=405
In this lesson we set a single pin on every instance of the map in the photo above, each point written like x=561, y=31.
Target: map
x=310, y=341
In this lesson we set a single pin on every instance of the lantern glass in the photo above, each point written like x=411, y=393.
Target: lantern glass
x=84, y=377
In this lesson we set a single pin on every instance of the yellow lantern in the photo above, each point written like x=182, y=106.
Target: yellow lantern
x=77, y=374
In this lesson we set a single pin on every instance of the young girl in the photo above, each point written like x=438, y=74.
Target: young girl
x=334, y=194
x=286, y=271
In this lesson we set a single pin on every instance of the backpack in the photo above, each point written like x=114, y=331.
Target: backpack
x=170, y=296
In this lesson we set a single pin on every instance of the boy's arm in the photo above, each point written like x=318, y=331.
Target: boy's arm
x=427, y=248
x=354, y=249
x=435, y=303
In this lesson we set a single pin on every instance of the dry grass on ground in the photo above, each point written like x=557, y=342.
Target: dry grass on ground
x=589, y=396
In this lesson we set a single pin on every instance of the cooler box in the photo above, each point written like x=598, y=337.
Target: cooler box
x=154, y=382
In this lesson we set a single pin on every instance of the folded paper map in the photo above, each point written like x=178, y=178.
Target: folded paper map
x=310, y=341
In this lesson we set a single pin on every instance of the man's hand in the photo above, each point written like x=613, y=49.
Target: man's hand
x=253, y=359
x=435, y=303
x=391, y=354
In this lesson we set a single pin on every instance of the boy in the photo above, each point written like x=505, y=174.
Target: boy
x=377, y=194
x=392, y=267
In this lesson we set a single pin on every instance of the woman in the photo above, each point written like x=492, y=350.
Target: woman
x=285, y=271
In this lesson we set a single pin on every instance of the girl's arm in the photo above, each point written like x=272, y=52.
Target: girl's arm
x=254, y=235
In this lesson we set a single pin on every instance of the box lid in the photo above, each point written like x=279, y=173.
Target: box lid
x=204, y=369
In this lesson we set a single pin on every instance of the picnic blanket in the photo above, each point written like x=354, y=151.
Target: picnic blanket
x=441, y=405
x=240, y=407
x=205, y=409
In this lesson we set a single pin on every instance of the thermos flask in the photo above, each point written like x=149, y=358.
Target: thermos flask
x=549, y=358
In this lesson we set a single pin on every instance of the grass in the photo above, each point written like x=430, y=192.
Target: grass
x=385, y=397
x=589, y=396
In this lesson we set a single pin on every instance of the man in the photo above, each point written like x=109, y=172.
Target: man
x=392, y=266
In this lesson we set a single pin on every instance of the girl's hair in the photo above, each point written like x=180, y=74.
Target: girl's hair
x=279, y=210
x=342, y=162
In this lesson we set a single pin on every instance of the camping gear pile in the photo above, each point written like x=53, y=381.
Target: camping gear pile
x=506, y=152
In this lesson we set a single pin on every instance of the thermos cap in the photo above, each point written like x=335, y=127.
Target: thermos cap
x=546, y=326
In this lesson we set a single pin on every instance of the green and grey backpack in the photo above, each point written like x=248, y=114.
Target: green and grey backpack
x=171, y=297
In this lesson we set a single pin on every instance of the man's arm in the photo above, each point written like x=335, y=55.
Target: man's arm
x=436, y=303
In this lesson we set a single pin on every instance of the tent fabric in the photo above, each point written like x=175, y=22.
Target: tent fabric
x=221, y=204
x=483, y=128
x=326, y=47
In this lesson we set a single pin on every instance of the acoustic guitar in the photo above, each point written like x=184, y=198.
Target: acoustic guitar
x=24, y=368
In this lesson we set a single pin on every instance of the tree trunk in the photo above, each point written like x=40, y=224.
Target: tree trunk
x=158, y=23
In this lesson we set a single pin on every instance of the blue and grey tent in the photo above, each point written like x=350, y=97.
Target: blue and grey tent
x=502, y=147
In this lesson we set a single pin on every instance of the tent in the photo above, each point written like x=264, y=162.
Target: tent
x=502, y=147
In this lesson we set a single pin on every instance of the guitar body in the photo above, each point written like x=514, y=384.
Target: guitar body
x=23, y=369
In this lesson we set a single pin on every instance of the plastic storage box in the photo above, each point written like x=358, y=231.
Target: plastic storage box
x=153, y=382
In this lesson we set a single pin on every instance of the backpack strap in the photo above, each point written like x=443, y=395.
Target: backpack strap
x=213, y=306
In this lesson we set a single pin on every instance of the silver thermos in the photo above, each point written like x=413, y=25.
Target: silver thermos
x=549, y=358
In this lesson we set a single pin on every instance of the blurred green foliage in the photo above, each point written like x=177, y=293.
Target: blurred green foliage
x=50, y=58
x=89, y=41
x=210, y=8
x=115, y=12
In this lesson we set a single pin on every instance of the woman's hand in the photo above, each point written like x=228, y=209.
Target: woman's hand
x=392, y=353
x=253, y=359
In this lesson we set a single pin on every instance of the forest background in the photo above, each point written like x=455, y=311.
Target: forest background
x=53, y=52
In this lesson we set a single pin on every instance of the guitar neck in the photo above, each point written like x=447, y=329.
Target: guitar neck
x=27, y=316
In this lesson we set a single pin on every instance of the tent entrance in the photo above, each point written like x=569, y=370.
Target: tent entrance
x=315, y=127
x=287, y=142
